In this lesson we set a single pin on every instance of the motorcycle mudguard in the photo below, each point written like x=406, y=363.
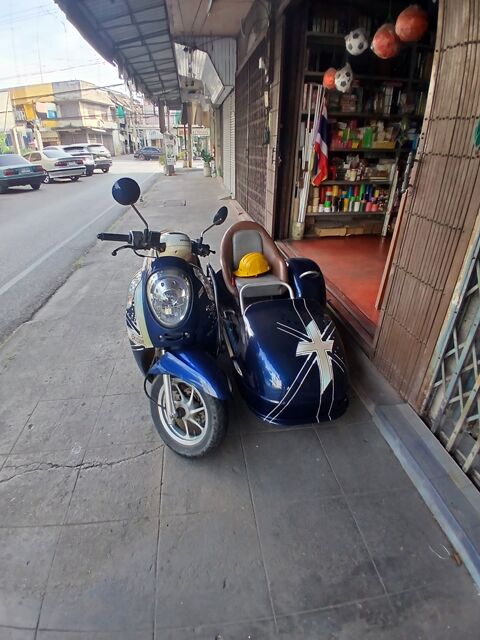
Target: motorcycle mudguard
x=195, y=367
x=307, y=280
x=292, y=364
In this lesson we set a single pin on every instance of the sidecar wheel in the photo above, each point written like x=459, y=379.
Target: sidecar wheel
x=201, y=422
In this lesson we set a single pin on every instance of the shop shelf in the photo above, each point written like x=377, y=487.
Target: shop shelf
x=373, y=116
x=327, y=38
x=327, y=183
x=364, y=150
x=341, y=214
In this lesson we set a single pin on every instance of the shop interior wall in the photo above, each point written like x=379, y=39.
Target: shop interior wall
x=442, y=207
x=262, y=34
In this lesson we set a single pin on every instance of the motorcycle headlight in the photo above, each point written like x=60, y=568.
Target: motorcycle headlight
x=168, y=295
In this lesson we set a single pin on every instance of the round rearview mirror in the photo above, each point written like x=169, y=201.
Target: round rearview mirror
x=126, y=191
x=220, y=216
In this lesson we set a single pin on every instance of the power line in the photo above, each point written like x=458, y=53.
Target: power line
x=27, y=14
x=58, y=93
x=76, y=66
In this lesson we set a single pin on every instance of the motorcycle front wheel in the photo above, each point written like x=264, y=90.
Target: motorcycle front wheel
x=200, y=423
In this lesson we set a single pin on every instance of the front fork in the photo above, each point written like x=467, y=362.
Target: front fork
x=169, y=403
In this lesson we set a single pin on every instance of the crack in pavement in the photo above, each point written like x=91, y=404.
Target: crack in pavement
x=49, y=466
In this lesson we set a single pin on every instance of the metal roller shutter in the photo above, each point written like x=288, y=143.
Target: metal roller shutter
x=232, y=147
x=250, y=150
x=227, y=143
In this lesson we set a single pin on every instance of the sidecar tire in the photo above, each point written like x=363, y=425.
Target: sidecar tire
x=216, y=428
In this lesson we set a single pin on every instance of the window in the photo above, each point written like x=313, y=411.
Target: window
x=53, y=153
x=97, y=148
x=77, y=148
x=9, y=159
x=35, y=157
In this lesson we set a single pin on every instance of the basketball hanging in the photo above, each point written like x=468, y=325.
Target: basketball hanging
x=329, y=78
x=412, y=24
x=385, y=43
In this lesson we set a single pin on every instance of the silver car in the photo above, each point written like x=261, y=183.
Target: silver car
x=58, y=164
x=79, y=151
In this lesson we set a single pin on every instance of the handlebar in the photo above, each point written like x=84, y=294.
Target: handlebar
x=114, y=237
x=139, y=240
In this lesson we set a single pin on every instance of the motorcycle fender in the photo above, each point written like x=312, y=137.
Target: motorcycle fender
x=195, y=367
x=307, y=280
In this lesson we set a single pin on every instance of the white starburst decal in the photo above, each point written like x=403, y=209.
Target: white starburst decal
x=321, y=349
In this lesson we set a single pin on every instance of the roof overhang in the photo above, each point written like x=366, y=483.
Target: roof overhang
x=135, y=35
x=196, y=65
x=219, y=18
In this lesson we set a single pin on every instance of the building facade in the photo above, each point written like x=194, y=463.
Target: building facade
x=36, y=115
x=86, y=114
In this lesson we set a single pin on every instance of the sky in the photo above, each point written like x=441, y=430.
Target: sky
x=38, y=44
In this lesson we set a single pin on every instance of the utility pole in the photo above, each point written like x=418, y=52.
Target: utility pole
x=161, y=117
x=190, y=155
x=134, y=126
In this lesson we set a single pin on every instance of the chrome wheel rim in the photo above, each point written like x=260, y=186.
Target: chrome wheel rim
x=191, y=424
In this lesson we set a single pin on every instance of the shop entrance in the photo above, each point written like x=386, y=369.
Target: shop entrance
x=345, y=206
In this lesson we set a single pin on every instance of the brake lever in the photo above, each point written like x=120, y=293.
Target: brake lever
x=124, y=246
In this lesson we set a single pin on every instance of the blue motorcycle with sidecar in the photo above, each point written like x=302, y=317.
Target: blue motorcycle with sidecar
x=286, y=354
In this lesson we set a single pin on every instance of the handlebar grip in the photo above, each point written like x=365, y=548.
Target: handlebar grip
x=114, y=237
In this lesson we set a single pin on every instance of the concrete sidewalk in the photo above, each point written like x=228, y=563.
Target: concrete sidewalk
x=304, y=533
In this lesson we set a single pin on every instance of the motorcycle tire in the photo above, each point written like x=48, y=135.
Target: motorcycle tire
x=210, y=418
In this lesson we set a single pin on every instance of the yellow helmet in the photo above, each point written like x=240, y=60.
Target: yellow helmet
x=252, y=264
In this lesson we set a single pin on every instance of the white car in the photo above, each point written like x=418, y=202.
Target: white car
x=58, y=164
x=79, y=151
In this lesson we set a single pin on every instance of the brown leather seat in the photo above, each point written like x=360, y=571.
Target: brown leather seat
x=245, y=237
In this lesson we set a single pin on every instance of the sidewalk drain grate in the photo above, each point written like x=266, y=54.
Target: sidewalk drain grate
x=174, y=203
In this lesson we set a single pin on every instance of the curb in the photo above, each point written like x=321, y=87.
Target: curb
x=446, y=490
x=448, y=493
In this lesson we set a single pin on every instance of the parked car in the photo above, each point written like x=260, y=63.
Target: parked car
x=148, y=153
x=16, y=171
x=101, y=155
x=79, y=151
x=58, y=164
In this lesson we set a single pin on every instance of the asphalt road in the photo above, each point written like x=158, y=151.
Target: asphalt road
x=43, y=233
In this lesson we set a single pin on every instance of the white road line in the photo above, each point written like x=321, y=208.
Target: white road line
x=8, y=285
x=11, y=283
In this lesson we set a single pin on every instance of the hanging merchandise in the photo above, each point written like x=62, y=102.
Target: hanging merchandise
x=329, y=78
x=411, y=24
x=385, y=43
x=343, y=78
x=356, y=42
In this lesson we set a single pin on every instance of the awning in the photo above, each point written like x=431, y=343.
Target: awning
x=135, y=35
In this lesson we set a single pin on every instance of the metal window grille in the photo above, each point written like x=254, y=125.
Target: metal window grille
x=453, y=404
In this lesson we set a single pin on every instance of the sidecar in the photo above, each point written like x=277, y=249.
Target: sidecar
x=286, y=352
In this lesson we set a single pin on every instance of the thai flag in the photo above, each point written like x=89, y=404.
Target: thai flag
x=320, y=146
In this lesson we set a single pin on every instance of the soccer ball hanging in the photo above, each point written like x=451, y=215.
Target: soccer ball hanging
x=343, y=78
x=356, y=42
